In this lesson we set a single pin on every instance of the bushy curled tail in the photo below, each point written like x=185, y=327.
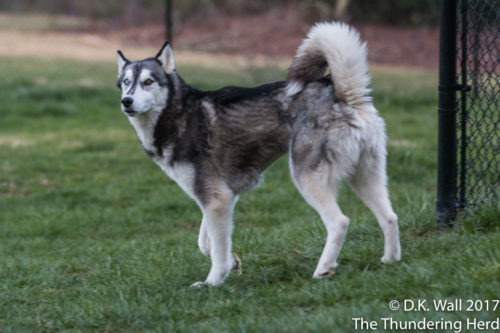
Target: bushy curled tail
x=339, y=47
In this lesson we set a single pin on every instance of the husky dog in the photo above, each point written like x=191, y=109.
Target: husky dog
x=216, y=144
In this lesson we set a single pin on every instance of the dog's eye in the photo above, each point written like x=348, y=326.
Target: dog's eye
x=126, y=82
x=148, y=82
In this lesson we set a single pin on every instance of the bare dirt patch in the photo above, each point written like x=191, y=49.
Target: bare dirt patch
x=103, y=47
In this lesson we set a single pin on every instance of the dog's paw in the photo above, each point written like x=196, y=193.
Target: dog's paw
x=324, y=270
x=217, y=276
x=390, y=259
x=324, y=275
x=198, y=285
x=237, y=269
x=207, y=283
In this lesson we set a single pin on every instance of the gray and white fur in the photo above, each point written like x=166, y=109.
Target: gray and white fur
x=216, y=144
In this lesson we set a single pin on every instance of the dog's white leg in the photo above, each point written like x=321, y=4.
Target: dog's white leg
x=336, y=225
x=373, y=192
x=203, y=239
x=320, y=193
x=218, y=226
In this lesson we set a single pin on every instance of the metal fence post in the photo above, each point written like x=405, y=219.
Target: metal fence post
x=447, y=155
x=464, y=88
x=168, y=20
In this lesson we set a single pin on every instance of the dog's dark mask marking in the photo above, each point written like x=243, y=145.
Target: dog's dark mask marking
x=152, y=64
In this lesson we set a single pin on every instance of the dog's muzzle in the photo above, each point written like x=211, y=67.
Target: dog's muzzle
x=127, y=103
x=131, y=113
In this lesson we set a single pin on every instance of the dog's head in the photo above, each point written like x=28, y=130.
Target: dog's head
x=145, y=84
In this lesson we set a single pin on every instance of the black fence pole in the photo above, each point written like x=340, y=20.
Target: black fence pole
x=447, y=154
x=464, y=88
x=168, y=20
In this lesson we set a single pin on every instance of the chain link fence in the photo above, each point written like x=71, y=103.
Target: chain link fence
x=478, y=118
x=469, y=106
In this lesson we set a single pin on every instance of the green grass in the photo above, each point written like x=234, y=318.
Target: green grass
x=94, y=237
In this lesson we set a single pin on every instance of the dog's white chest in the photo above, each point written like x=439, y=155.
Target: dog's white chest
x=180, y=172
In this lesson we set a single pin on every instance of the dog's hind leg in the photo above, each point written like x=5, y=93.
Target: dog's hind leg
x=319, y=190
x=370, y=186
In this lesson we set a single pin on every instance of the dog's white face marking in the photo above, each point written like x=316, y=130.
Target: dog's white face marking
x=143, y=91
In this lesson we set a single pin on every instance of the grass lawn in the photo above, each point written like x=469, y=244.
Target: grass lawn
x=94, y=237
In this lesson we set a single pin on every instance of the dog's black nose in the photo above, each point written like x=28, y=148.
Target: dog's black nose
x=127, y=101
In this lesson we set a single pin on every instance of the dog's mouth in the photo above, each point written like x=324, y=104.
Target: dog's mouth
x=131, y=113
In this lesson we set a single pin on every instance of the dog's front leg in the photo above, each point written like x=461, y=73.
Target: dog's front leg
x=216, y=229
x=203, y=239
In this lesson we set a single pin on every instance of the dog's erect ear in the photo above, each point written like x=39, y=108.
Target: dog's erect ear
x=121, y=61
x=166, y=58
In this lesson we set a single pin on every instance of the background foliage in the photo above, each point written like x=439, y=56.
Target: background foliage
x=399, y=12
